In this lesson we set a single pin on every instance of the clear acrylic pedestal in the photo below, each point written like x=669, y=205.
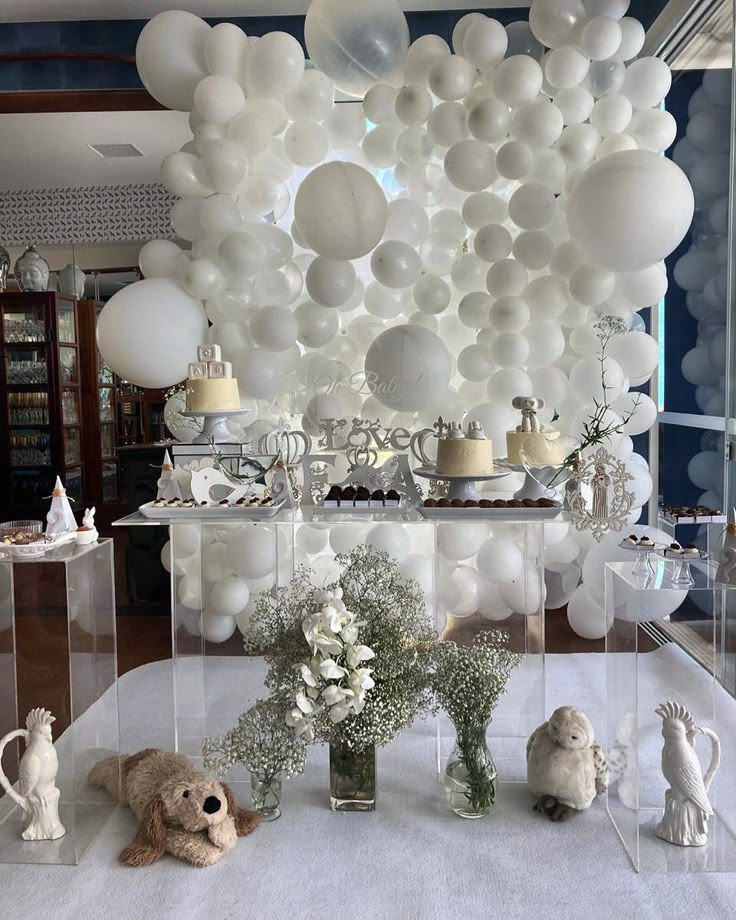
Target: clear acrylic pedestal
x=643, y=669
x=214, y=677
x=58, y=652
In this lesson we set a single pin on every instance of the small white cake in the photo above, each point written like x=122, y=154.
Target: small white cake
x=540, y=448
x=458, y=455
x=211, y=386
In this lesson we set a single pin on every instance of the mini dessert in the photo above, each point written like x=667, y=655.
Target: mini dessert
x=362, y=497
x=173, y=503
x=266, y=502
x=470, y=503
x=378, y=499
x=333, y=497
x=253, y=501
x=203, y=504
x=430, y=503
x=393, y=499
x=443, y=503
x=674, y=549
x=22, y=538
x=188, y=503
x=224, y=503
x=632, y=540
x=531, y=444
x=242, y=501
x=159, y=503
x=211, y=386
x=458, y=455
x=646, y=541
x=486, y=503
x=457, y=503
x=691, y=550
x=348, y=495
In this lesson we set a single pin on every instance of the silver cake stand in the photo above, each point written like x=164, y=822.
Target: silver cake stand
x=536, y=479
x=212, y=422
x=462, y=487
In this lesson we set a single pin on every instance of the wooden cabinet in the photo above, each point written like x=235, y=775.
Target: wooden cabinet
x=42, y=430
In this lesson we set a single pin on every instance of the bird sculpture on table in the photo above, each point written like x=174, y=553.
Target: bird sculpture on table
x=566, y=768
x=687, y=806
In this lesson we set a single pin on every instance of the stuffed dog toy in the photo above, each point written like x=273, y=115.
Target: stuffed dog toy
x=180, y=810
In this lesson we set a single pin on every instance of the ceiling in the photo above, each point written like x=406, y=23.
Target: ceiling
x=50, y=151
x=55, y=10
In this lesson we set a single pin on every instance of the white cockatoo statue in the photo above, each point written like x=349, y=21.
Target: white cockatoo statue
x=687, y=807
x=37, y=794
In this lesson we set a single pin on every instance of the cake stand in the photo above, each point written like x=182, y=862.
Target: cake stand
x=643, y=567
x=536, y=479
x=681, y=574
x=212, y=422
x=462, y=487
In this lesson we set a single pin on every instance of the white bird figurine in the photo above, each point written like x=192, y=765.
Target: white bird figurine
x=566, y=768
x=686, y=803
x=38, y=794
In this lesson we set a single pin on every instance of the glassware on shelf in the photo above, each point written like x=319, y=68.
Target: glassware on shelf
x=65, y=324
x=28, y=488
x=28, y=408
x=107, y=441
x=29, y=448
x=26, y=367
x=24, y=327
x=105, y=404
x=69, y=407
x=72, y=450
x=68, y=364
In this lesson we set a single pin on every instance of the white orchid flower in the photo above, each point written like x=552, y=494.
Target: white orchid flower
x=303, y=702
x=302, y=727
x=354, y=654
x=308, y=675
x=360, y=679
x=339, y=712
x=331, y=670
x=334, y=694
x=359, y=703
x=349, y=634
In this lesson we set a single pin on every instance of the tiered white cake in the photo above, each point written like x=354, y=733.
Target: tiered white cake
x=211, y=386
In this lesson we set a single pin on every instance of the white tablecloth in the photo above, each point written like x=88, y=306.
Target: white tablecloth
x=411, y=859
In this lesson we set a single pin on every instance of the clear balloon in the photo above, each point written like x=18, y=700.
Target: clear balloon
x=554, y=22
x=357, y=45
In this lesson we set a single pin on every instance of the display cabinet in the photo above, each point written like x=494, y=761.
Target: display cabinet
x=100, y=408
x=58, y=651
x=642, y=675
x=40, y=399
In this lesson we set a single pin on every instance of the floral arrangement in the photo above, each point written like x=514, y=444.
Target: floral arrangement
x=467, y=681
x=316, y=642
x=261, y=741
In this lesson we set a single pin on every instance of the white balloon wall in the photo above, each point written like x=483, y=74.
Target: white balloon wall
x=449, y=240
x=703, y=154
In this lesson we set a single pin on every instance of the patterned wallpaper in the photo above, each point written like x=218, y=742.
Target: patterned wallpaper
x=100, y=214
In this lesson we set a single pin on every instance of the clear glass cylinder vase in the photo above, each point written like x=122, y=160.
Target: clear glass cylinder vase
x=352, y=778
x=265, y=793
x=470, y=775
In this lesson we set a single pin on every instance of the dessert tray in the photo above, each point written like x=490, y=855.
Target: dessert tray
x=496, y=510
x=696, y=514
x=361, y=501
x=40, y=544
x=225, y=512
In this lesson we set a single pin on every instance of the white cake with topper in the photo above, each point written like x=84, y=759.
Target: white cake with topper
x=465, y=454
x=211, y=386
x=531, y=443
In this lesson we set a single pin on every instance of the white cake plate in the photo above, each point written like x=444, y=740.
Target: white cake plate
x=459, y=486
x=536, y=479
x=212, y=421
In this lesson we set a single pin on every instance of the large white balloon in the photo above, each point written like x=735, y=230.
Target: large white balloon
x=630, y=210
x=275, y=65
x=407, y=367
x=149, y=332
x=586, y=615
x=252, y=550
x=357, y=45
x=341, y=211
x=170, y=57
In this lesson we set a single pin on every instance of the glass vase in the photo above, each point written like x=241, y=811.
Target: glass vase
x=352, y=778
x=265, y=793
x=470, y=774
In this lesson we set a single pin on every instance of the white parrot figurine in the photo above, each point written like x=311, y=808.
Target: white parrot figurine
x=38, y=795
x=687, y=806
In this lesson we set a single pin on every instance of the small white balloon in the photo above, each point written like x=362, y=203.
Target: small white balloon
x=600, y=37
x=469, y=165
x=647, y=82
x=488, y=120
x=509, y=349
x=507, y=278
x=390, y=538
x=517, y=79
x=514, y=160
x=532, y=206
x=566, y=67
x=395, y=264
x=432, y=294
x=451, y=77
x=330, y=282
x=229, y=597
x=509, y=314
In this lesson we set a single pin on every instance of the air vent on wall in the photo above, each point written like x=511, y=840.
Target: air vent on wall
x=108, y=151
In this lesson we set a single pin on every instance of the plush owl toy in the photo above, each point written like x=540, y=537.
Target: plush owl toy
x=566, y=769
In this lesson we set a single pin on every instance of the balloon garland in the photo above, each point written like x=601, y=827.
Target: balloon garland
x=436, y=250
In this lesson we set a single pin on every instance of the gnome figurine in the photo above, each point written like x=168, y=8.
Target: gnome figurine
x=566, y=768
x=168, y=487
x=60, y=519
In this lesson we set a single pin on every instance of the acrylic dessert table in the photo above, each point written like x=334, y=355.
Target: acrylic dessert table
x=409, y=860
